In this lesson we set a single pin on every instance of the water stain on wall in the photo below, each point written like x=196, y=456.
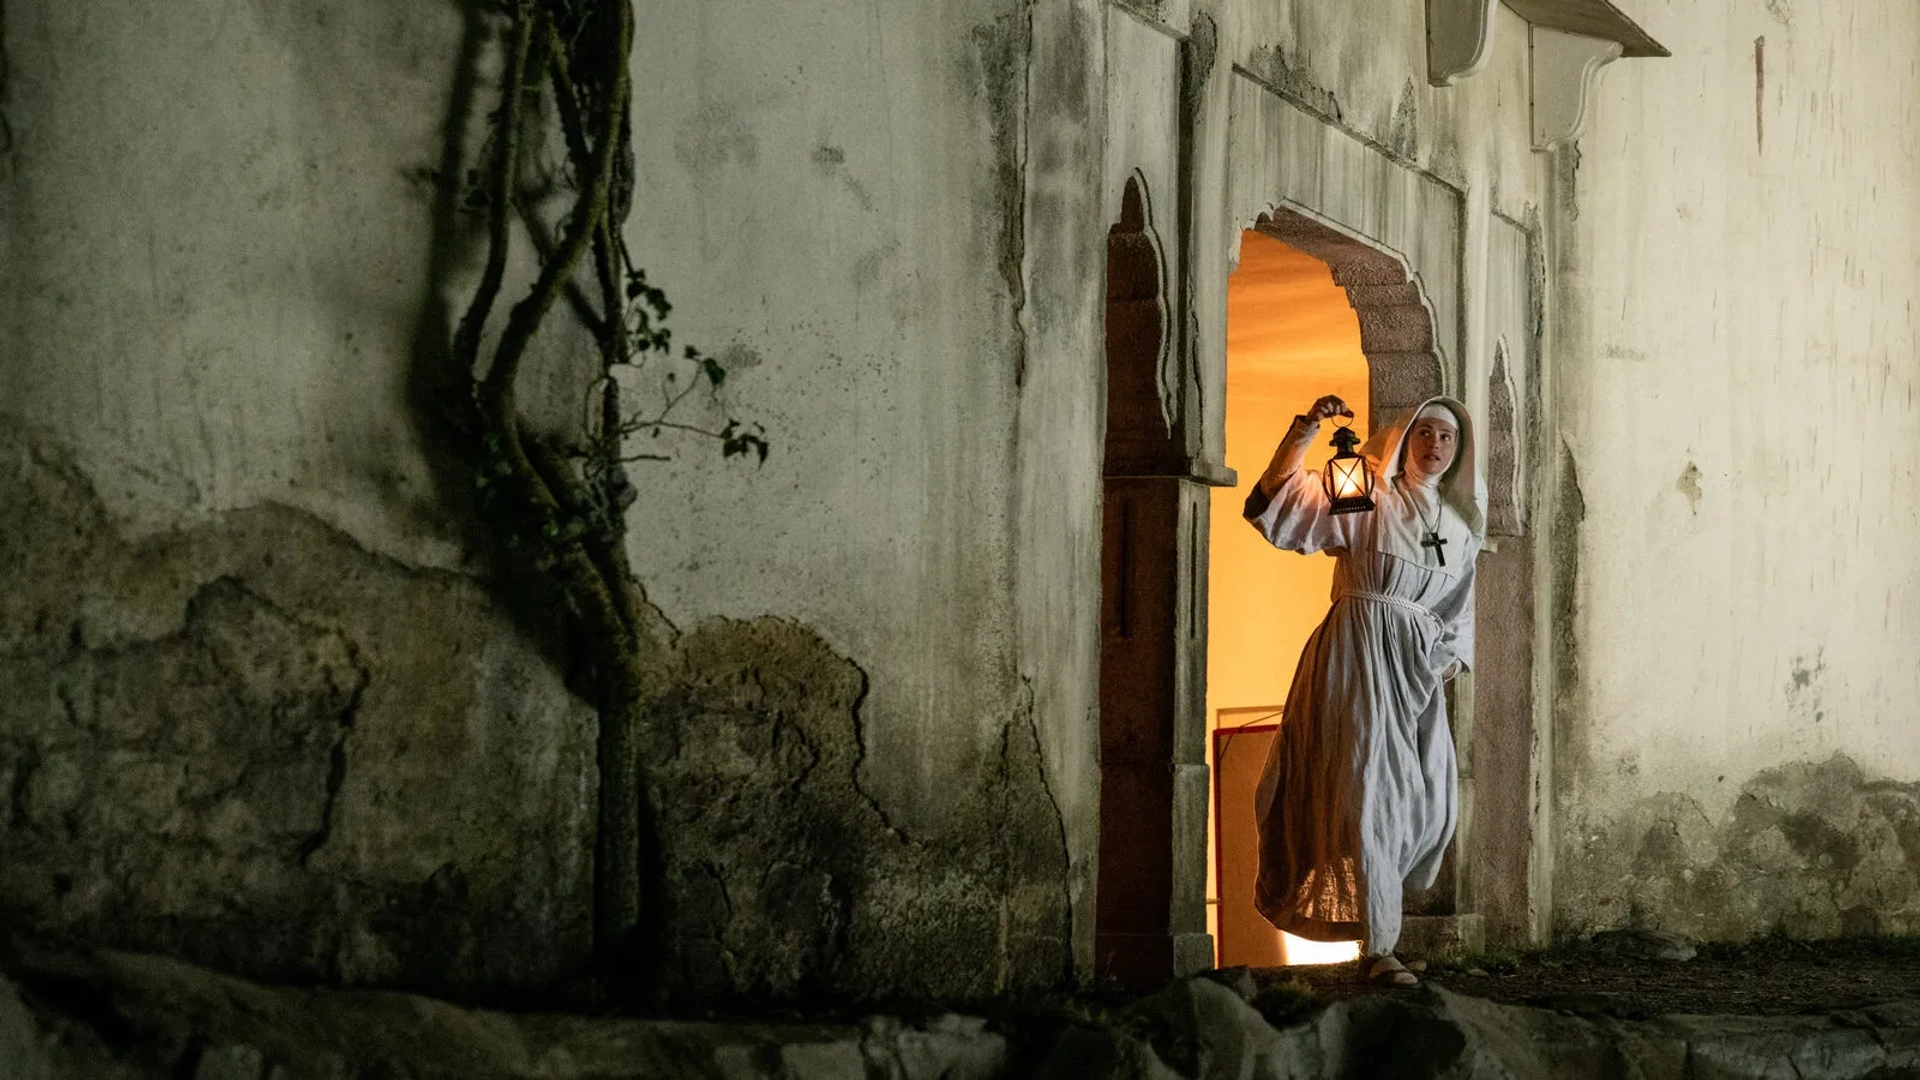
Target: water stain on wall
x=254, y=744
x=785, y=877
x=1814, y=849
x=1689, y=485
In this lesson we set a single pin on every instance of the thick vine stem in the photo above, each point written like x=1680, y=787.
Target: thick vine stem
x=506, y=153
x=572, y=525
x=587, y=211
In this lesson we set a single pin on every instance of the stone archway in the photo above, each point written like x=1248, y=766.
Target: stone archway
x=1396, y=323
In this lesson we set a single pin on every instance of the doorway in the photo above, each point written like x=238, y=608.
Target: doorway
x=1312, y=310
x=1158, y=860
x=1291, y=336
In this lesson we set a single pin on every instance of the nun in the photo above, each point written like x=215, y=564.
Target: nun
x=1360, y=794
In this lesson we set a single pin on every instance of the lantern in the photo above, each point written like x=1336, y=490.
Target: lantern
x=1348, y=481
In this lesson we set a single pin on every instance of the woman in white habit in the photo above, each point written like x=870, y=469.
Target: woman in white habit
x=1360, y=795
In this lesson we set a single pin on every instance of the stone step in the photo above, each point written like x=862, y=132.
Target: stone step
x=1438, y=937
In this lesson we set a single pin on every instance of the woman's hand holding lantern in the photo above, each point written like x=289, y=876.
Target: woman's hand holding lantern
x=1327, y=406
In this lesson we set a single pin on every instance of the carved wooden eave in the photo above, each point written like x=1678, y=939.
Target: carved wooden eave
x=1569, y=42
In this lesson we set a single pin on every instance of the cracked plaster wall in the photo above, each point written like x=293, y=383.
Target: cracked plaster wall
x=268, y=713
x=886, y=220
x=1737, y=351
x=256, y=744
x=895, y=211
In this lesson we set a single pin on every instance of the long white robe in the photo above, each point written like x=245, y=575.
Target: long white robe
x=1360, y=794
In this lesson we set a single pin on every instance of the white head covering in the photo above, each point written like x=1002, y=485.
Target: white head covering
x=1461, y=487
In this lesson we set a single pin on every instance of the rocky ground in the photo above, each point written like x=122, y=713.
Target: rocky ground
x=1588, y=1011
x=1637, y=977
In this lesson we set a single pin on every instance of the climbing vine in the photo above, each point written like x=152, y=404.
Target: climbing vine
x=560, y=501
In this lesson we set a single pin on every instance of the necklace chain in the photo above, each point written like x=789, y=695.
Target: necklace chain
x=1433, y=539
x=1438, y=511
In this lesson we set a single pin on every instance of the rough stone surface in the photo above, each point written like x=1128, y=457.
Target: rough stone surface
x=254, y=744
x=121, y=1015
x=1815, y=850
x=784, y=876
x=1645, y=945
x=118, y=1015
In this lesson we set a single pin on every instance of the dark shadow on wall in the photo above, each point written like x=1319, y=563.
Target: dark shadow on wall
x=770, y=874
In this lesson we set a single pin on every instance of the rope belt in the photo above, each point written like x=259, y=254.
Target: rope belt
x=1383, y=598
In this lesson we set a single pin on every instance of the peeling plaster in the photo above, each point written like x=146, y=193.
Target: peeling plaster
x=1269, y=63
x=253, y=743
x=1403, y=134
x=783, y=876
x=1810, y=849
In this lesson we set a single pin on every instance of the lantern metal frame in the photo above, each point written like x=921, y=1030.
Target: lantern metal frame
x=1347, y=465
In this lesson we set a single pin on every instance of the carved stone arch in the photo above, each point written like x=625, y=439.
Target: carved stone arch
x=1150, y=920
x=1396, y=323
x=1504, y=512
x=1142, y=432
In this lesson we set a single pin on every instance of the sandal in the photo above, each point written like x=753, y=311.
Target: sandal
x=1387, y=971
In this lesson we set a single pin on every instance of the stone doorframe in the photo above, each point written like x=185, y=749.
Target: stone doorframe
x=1150, y=905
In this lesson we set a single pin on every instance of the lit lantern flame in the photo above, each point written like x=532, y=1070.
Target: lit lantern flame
x=1348, y=481
x=1349, y=478
x=1298, y=951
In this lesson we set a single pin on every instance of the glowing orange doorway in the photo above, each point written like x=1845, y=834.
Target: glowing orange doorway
x=1292, y=336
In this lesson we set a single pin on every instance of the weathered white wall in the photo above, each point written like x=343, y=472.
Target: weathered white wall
x=890, y=221
x=1738, y=363
x=253, y=715
x=828, y=215
x=220, y=256
x=216, y=245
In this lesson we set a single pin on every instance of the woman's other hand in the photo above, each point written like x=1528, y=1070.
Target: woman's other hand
x=1452, y=670
x=1326, y=407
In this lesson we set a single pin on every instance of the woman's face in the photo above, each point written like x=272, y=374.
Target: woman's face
x=1430, y=447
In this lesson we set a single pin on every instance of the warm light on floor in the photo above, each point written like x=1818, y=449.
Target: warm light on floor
x=1295, y=951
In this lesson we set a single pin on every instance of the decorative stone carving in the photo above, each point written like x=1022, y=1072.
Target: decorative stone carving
x=1504, y=516
x=1459, y=38
x=1565, y=68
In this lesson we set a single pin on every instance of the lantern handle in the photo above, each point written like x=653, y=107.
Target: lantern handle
x=1342, y=421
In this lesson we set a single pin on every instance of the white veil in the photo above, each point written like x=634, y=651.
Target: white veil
x=1462, y=487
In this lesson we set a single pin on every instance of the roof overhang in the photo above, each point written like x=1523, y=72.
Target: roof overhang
x=1569, y=42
